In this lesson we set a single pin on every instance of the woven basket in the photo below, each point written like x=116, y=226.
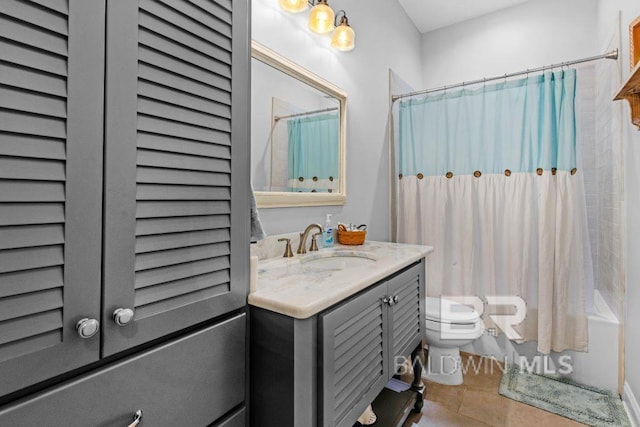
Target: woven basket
x=351, y=237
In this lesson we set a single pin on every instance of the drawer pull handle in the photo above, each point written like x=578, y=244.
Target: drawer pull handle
x=87, y=327
x=137, y=417
x=122, y=316
x=395, y=299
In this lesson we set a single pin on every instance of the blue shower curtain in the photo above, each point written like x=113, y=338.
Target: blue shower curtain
x=313, y=151
x=519, y=125
x=489, y=178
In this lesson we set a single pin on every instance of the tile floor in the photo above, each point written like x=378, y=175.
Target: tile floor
x=477, y=403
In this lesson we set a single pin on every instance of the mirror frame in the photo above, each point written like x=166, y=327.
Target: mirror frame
x=278, y=199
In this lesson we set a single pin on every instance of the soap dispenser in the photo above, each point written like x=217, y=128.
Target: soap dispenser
x=327, y=234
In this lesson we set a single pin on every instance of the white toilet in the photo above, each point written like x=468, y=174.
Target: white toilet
x=449, y=326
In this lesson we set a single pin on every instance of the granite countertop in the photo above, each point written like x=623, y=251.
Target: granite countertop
x=287, y=286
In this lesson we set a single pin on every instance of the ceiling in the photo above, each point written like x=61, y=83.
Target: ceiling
x=429, y=15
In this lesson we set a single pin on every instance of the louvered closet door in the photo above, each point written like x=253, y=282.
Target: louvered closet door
x=353, y=369
x=176, y=226
x=407, y=315
x=51, y=109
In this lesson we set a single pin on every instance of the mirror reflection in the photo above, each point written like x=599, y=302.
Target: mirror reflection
x=297, y=134
x=299, y=126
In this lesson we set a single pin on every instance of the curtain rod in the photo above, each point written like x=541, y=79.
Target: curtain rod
x=609, y=55
x=306, y=113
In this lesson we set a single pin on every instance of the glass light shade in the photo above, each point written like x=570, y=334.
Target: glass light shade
x=294, y=6
x=343, y=38
x=321, y=18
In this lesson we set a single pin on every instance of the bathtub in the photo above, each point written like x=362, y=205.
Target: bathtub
x=599, y=367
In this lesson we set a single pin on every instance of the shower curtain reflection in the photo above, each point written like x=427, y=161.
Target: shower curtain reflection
x=313, y=152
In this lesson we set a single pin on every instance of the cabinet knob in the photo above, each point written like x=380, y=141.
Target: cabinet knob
x=137, y=417
x=87, y=327
x=122, y=316
x=390, y=300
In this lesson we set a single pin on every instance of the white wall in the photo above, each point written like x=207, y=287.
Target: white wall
x=607, y=12
x=607, y=189
x=529, y=35
x=385, y=38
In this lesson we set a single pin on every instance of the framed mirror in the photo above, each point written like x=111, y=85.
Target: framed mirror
x=298, y=134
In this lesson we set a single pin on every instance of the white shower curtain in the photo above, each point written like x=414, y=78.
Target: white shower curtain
x=489, y=179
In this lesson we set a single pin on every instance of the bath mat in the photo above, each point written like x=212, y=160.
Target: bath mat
x=587, y=405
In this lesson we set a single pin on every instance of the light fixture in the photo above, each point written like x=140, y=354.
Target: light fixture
x=321, y=18
x=343, y=37
x=294, y=6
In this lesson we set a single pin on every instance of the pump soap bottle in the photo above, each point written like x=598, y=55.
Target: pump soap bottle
x=327, y=234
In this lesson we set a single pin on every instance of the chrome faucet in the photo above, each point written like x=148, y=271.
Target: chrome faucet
x=303, y=239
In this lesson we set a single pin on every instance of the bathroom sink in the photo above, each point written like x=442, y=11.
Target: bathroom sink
x=337, y=260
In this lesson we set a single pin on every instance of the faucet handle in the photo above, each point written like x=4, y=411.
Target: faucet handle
x=287, y=250
x=314, y=245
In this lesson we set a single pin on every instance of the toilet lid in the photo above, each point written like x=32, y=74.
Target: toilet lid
x=453, y=312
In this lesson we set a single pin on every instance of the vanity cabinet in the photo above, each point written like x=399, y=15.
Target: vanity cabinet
x=123, y=158
x=361, y=340
x=325, y=370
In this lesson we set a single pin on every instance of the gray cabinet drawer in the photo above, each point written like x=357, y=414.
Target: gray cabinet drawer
x=191, y=381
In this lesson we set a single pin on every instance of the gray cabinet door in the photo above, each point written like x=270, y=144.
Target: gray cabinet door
x=353, y=367
x=176, y=168
x=51, y=136
x=406, y=320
